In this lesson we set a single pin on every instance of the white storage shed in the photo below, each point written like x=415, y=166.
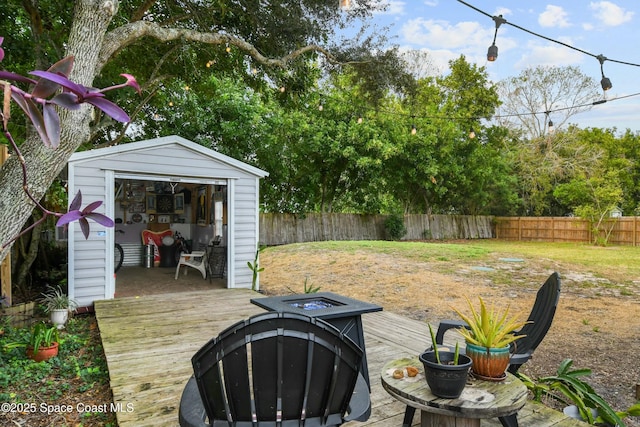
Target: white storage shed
x=167, y=183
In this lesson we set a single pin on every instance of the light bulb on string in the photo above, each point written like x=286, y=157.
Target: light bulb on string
x=414, y=130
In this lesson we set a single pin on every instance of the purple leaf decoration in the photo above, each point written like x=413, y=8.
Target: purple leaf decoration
x=45, y=87
x=110, y=109
x=66, y=100
x=72, y=215
x=84, y=226
x=75, y=214
x=92, y=207
x=101, y=219
x=5, y=75
x=52, y=124
x=31, y=110
x=77, y=201
x=79, y=90
x=131, y=81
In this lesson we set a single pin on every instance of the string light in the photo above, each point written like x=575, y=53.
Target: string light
x=492, y=53
x=605, y=82
x=414, y=130
x=472, y=133
x=550, y=127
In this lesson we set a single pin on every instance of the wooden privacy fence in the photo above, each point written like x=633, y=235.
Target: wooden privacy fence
x=281, y=229
x=624, y=230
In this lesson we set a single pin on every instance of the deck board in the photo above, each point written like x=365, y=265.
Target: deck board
x=149, y=340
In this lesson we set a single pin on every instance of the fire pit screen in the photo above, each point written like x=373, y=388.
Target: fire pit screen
x=313, y=303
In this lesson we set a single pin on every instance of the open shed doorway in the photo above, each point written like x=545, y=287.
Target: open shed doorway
x=156, y=219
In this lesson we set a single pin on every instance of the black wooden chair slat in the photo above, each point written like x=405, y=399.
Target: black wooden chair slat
x=276, y=369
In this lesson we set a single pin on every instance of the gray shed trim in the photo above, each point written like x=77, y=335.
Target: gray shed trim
x=93, y=172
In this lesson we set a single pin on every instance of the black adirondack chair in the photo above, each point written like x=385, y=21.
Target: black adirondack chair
x=540, y=318
x=275, y=370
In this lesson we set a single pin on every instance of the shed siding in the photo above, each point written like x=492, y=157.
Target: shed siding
x=92, y=262
x=245, y=229
x=90, y=255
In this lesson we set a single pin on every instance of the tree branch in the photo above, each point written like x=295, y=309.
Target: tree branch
x=125, y=35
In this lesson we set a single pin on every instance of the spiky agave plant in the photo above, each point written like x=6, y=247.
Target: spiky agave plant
x=488, y=327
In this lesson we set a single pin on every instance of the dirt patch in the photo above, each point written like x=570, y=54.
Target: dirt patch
x=596, y=324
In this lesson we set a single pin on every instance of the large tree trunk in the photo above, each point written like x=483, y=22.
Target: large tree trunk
x=91, y=19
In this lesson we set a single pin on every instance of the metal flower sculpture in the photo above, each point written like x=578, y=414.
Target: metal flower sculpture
x=75, y=214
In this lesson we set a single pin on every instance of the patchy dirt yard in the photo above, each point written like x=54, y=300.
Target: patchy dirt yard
x=597, y=323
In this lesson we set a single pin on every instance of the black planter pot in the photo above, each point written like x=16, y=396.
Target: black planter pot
x=444, y=380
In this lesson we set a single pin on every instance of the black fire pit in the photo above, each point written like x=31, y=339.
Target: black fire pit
x=340, y=311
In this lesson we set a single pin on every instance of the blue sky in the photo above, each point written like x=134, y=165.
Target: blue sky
x=449, y=28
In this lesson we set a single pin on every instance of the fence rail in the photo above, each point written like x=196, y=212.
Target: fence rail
x=280, y=229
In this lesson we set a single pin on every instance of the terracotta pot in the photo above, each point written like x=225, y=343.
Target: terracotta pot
x=489, y=363
x=44, y=353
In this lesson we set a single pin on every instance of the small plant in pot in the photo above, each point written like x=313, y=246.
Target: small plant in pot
x=58, y=305
x=488, y=336
x=41, y=343
x=446, y=372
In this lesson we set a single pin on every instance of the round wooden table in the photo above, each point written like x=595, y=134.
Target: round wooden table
x=479, y=399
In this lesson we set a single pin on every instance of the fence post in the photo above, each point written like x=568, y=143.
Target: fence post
x=5, y=268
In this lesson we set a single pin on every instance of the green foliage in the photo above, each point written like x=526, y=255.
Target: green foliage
x=255, y=268
x=436, y=349
x=568, y=387
x=39, y=335
x=489, y=327
x=55, y=299
x=80, y=366
x=394, y=226
x=308, y=288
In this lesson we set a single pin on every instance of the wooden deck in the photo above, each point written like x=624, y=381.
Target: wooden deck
x=148, y=342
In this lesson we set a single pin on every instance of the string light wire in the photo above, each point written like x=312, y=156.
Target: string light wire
x=550, y=39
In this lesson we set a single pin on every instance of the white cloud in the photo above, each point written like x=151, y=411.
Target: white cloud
x=431, y=3
x=610, y=14
x=554, y=16
x=441, y=34
x=503, y=11
x=548, y=55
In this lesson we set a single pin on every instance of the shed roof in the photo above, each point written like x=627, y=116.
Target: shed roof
x=163, y=141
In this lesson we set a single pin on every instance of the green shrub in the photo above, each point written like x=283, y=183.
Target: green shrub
x=394, y=227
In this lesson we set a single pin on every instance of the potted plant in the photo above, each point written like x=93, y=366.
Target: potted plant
x=41, y=342
x=446, y=372
x=488, y=335
x=58, y=305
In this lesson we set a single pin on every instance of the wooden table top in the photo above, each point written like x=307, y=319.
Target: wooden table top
x=479, y=399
